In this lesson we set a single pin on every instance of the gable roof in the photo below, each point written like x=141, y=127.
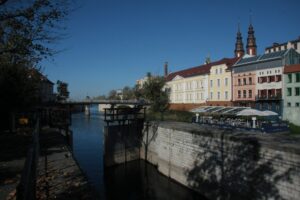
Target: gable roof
x=202, y=69
x=291, y=68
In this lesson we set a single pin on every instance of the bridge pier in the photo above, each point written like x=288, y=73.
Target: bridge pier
x=87, y=110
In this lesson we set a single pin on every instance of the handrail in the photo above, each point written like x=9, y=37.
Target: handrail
x=26, y=189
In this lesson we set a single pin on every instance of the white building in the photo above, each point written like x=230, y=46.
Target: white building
x=294, y=44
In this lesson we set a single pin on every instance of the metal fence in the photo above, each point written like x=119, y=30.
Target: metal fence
x=26, y=189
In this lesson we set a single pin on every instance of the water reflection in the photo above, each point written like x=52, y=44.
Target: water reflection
x=134, y=180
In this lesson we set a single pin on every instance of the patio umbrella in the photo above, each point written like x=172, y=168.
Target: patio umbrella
x=251, y=112
x=270, y=113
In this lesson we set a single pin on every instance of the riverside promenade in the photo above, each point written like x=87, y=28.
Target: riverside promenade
x=59, y=176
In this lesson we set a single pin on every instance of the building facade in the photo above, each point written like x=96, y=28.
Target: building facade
x=291, y=94
x=294, y=44
x=190, y=88
x=258, y=80
x=220, y=84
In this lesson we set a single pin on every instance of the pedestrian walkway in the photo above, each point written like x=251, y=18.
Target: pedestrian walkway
x=59, y=175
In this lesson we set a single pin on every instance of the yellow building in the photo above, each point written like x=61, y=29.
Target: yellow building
x=219, y=83
x=190, y=89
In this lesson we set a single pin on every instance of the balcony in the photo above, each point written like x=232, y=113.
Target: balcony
x=270, y=97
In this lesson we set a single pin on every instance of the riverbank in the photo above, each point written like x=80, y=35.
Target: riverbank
x=59, y=176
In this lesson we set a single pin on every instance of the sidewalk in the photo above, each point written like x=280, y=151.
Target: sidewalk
x=59, y=176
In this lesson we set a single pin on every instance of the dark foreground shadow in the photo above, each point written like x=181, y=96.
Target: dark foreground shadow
x=140, y=180
x=233, y=168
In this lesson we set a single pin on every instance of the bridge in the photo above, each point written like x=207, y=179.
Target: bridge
x=112, y=103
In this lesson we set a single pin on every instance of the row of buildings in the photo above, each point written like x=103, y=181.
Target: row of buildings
x=270, y=81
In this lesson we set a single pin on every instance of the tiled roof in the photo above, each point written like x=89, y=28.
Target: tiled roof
x=202, y=69
x=291, y=68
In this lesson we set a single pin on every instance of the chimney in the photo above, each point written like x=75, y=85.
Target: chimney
x=166, y=69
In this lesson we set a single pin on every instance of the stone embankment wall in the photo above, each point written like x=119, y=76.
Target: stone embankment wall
x=222, y=164
x=122, y=142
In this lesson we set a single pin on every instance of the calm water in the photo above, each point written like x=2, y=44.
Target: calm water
x=135, y=180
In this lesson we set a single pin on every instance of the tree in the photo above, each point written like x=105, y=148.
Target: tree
x=128, y=93
x=113, y=95
x=154, y=91
x=62, y=90
x=28, y=27
x=27, y=31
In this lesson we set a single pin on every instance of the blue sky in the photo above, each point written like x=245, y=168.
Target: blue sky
x=112, y=43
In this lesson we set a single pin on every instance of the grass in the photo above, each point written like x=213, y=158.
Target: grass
x=171, y=115
x=294, y=129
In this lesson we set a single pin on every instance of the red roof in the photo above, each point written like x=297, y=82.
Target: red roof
x=292, y=68
x=202, y=69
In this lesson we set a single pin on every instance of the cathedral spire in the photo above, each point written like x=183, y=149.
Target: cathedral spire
x=251, y=41
x=239, y=46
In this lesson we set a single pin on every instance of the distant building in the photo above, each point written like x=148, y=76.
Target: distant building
x=294, y=44
x=291, y=106
x=141, y=82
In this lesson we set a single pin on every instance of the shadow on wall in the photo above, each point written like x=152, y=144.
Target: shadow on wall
x=234, y=169
x=150, y=136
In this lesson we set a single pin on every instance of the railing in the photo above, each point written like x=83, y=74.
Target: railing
x=272, y=97
x=121, y=114
x=26, y=189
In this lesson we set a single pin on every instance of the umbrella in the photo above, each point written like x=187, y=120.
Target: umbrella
x=251, y=112
x=270, y=113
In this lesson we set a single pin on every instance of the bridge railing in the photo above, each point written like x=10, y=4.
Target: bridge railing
x=26, y=190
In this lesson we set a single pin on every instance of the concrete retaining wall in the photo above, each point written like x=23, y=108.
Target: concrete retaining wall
x=219, y=163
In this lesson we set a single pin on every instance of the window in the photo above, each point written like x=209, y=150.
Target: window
x=201, y=96
x=244, y=81
x=221, y=70
x=289, y=78
x=218, y=82
x=277, y=107
x=297, y=104
x=295, y=45
x=244, y=94
x=226, y=95
x=289, y=104
x=211, y=95
x=250, y=81
x=226, y=81
x=216, y=71
x=297, y=77
x=218, y=95
x=270, y=106
x=250, y=93
x=239, y=94
x=289, y=91
x=211, y=83
x=297, y=91
x=239, y=81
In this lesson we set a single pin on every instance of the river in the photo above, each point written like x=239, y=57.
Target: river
x=134, y=180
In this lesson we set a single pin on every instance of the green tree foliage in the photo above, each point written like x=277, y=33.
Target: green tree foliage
x=153, y=91
x=62, y=90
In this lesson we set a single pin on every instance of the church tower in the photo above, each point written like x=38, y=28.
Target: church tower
x=251, y=43
x=239, y=46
